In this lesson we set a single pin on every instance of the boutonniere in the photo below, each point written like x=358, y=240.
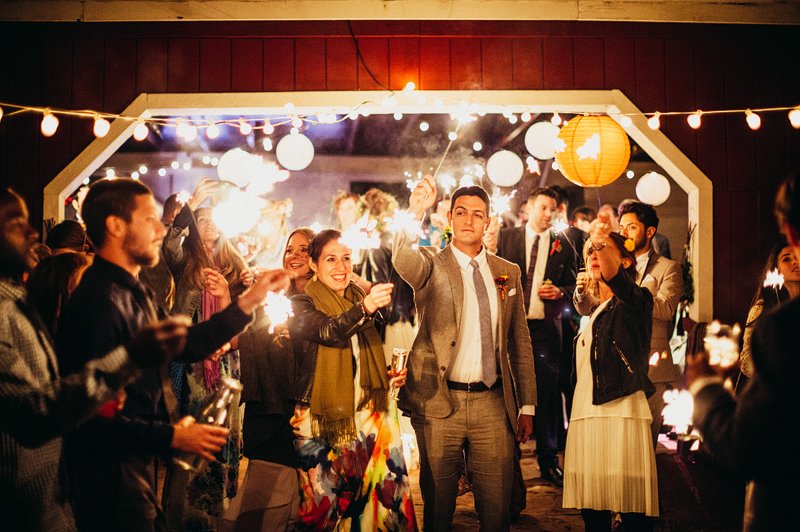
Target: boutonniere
x=448, y=234
x=502, y=286
x=556, y=247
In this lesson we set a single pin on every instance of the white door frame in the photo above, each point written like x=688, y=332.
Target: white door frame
x=679, y=167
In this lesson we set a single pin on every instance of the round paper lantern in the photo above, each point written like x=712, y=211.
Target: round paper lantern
x=236, y=166
x=653, y=188
x=541, y=140
x=595, y=150
x=504, y=168
x=295, y=152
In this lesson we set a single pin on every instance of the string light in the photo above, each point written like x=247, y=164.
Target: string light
x=556, y=119
x=140, y=130
x=526, y=116
x=135, y=176
x=244, y=127
x=409, y=86
x=512, y=119
x=269, y=129
x=694, y=119
x=110, y=173
x=423, y=126
x=398, y=115
x=654, y=122
x=477, y=146
x=753, y=120
x=143, y=169
x=187, y=166
x=49, y=124
x=101, y=127
x=212, y=131
x=625, y=121
x=794, y=117
x=297, y=122
x=452, y=135
x=175, y=165
x=162, y=172
x=267, y=144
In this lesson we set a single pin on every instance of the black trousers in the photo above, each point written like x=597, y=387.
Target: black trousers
x=546, y=340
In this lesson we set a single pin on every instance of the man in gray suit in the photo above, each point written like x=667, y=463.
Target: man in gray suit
x=471, y=380
x=663, y=277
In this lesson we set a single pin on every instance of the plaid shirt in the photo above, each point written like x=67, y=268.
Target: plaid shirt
x=36, y=407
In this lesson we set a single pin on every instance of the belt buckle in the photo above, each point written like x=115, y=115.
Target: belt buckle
x=469, y=384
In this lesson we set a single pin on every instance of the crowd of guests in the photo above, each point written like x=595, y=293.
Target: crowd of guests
x=117, y=331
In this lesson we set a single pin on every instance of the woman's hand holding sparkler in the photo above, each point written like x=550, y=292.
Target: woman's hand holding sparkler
x=204, y=189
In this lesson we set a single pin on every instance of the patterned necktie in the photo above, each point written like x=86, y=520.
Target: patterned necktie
x=488, y=363
x=526, y=290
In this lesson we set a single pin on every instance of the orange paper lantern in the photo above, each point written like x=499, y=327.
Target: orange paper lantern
x=596, y=150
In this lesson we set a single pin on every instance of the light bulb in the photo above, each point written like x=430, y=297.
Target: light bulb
x=186, y=131
x=452, y=135
x=477, y=146
x=556, y=120
x=629, y=174
x=694, y=120
x=423, y=126
x=267, y=144
x=297, y=121
x=506, y=114
x=101, y=127
x=512, y=119
x=187, y=166
x=269, y=129
x=110, y=173
x=753, y=120
x=654, y=122
x=212, y=131
x=206, y=159
x=140, y=131
x=398, y=115
x=294, y=131
x=135, y=176
x=794, y=118
x=409, y=86
x=162, y=172
x=142, y=169
x=175, y=165
x=625, y=121
x=555, y=165
x=214, y=161
x=244, y=127
x=49, y=124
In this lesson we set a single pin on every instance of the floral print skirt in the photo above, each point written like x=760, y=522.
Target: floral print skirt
x=362, y=486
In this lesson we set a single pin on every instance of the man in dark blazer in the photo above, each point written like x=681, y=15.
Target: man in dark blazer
x=754, y=433
x=548, y=271
x=471, y=381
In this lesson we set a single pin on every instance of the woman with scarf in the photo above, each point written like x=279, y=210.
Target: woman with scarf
x=352, y=471
x=208, y=271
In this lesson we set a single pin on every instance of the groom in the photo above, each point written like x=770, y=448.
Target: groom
x=471, y=381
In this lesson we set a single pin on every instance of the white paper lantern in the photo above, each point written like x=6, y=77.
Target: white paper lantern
x=504, y=168
x=541, y=140
x=653, y=189
x=236, y=166
x=295, y=152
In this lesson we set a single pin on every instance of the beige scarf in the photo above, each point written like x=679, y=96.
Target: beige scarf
x=332, y=398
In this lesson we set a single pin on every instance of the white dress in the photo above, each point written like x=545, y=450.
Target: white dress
x=609, y=463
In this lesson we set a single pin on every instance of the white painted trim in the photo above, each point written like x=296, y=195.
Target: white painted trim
x=716, y=11
x=685, y=173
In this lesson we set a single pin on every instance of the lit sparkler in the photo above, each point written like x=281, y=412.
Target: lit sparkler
x=361, y=235
x=678, y=410
x=238, y=212
x=722, y=344
x=404, y=221
x=183, y=197
x=774, y=279
x=278, y=309
x=500, y=204
x=590, y=148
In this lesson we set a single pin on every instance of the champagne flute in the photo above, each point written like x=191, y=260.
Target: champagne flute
x=399, y=359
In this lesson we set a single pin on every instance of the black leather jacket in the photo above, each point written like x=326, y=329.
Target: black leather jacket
x=621, y=342
x=309, y=328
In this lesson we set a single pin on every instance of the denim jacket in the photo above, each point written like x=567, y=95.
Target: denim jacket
x=621, y=342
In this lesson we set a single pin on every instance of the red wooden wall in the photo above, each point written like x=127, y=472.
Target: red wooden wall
x=659, y=66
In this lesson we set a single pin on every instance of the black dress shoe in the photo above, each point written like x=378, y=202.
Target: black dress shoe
x=554, y=475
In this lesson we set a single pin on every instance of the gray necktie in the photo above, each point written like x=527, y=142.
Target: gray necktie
x=488, y=362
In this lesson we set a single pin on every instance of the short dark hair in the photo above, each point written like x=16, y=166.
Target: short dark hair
x=544, y=191
x=473, y=190
x=114, y=197
x=68, y=234
x=563, y=195
x=644, y=212
x=320, y=241
x=787, y=201
x=585, y=211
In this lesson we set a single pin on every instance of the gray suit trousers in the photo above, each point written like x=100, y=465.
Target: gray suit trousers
x=478, y=428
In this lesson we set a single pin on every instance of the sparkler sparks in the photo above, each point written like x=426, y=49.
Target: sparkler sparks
x=590, y=148
x=278, y=309
x=183, y=197
x=361, y=235
x=773, y=279
x=405, y=221
x=678, y=410
x=722, y=344
x=500, y=204
x=559, y=226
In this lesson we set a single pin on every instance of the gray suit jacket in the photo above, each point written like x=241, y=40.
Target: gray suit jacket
x=664, y=278
x=439, y=296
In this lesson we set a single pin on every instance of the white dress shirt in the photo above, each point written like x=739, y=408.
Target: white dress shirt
x=467, y=365
x=536, y=308
x=641, y=266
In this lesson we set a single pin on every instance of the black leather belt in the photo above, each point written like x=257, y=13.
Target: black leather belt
x=477, y=386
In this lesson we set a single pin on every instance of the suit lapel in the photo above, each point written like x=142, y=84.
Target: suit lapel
x=502, y=304
x=456, y=284
x=651, y=262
